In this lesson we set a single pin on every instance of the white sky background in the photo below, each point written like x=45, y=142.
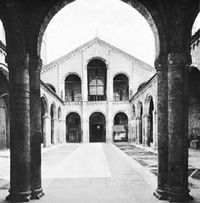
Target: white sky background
x=111, y=20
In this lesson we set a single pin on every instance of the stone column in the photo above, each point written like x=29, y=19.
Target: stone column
x=45, y=130
x=35, y=118
x=84, y=85
x=19, y=93
x=137, y=130
x=162, y=130
x=48, y=131
x=146, y=130
x=178, y=127
x=155, y=127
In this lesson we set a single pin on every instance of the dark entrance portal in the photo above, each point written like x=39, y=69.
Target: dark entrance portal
x=73, y=128
x=97, y=128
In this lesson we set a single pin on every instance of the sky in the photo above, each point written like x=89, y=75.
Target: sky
x=111, y=20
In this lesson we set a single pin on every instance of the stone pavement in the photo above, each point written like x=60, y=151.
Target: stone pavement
x=147, y=157
x=93, y=173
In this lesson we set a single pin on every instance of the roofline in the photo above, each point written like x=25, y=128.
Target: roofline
x=147, y=83
x=96, y=39
x=51, y=91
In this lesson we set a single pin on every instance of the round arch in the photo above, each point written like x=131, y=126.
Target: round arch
x=121, y=73
x=146, y=9
x=71, y=73
x=73, y=88
x=4, y=124
x=120, y=128
x=73, y=128
x=53, y=120
x=97, y=58
x=44, y=112
x=52, y=87
x=97, y=80
x=149, y=127
x=97, y=127
x=140, y=122
x=121, y=87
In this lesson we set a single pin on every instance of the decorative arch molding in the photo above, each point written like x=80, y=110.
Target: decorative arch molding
x=140, y=107
x=123, y=112
x=71, y=73
x=53, y=106
x=73, y=112
x=146, y=9
x=45, y=103
x=52, y=87
x=147, y=103
x=98, y=111
x=98, y=58
x=121, y=73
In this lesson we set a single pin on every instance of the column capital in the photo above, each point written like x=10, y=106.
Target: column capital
x=161, y=63
x=18, y=60
x=178, y=59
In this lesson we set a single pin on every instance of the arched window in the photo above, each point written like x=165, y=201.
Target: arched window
x=96, y=80
x=51, y=87
x=72, y=88
x=121, y=87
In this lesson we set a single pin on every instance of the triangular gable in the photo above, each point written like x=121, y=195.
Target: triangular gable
x=90, y=43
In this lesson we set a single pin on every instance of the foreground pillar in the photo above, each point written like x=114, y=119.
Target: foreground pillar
x=178, y=127
x=36, y=135
x=20, y=187
x=162, y=126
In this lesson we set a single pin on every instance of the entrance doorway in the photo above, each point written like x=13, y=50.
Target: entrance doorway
x=120, y=128
x=73, y=128
x=97, y=128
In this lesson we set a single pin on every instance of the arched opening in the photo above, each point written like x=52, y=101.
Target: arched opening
x=44, y=111
x=3, y=124
x=73, y=128
x=140, y=122
x=51, y=87
x=53, y=120
x=151, y=119
x=96, y=80
x=194, y=108
x=133, y=109
x=121, y=88
x=72, y=88
x=60, y=126
x=97, y=124
x=120, y=128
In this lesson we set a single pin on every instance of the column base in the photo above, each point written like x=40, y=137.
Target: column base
x=179, y=196
x=161, y=194
x=37, y=194
x=19, y=197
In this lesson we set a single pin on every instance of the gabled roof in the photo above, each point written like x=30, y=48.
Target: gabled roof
x=91, y=43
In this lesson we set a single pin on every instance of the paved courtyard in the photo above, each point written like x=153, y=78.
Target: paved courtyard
x=90, y=173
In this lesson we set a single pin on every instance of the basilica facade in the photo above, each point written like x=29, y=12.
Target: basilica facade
x=96, y=82
x=99, y=93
